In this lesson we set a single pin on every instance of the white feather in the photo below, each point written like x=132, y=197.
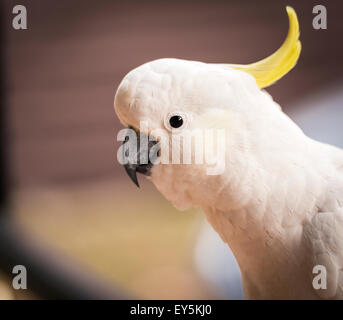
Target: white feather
x=278, y=204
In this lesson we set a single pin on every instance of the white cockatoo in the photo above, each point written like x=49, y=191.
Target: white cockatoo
x=278, y=203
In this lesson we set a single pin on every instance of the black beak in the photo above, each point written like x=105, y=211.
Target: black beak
x=131, y=170
x=140, y=161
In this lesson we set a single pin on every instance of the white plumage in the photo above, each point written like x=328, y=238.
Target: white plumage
x=279, y=203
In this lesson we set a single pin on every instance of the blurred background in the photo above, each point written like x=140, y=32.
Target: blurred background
x=67, y=190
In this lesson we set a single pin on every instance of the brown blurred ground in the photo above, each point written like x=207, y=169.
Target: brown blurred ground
x=147, y=251
x=62, y=74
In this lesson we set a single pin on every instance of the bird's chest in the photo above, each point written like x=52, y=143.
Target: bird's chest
x=272, y=260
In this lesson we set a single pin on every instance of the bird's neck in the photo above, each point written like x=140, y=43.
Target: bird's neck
x=262, y=227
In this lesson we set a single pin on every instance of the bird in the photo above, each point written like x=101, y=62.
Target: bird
x=277, y=201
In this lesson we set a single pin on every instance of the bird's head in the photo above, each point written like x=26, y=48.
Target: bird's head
x=167, y=101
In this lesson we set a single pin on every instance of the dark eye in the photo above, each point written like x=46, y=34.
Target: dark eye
x=176, y=121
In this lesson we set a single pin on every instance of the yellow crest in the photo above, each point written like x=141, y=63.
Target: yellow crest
x=269, y=70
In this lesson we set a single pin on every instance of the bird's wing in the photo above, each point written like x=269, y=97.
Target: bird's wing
x=325, y=238
x=324, y=232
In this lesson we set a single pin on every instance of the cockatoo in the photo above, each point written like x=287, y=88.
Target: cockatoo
x=278, y=203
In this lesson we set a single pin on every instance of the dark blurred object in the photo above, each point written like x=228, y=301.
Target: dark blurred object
x=3, y=123
x=50, y=275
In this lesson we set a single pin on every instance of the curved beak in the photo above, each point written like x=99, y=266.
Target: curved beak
x=131, y=170
x=140, y=161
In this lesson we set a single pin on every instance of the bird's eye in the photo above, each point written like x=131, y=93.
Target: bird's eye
x=176, y=121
